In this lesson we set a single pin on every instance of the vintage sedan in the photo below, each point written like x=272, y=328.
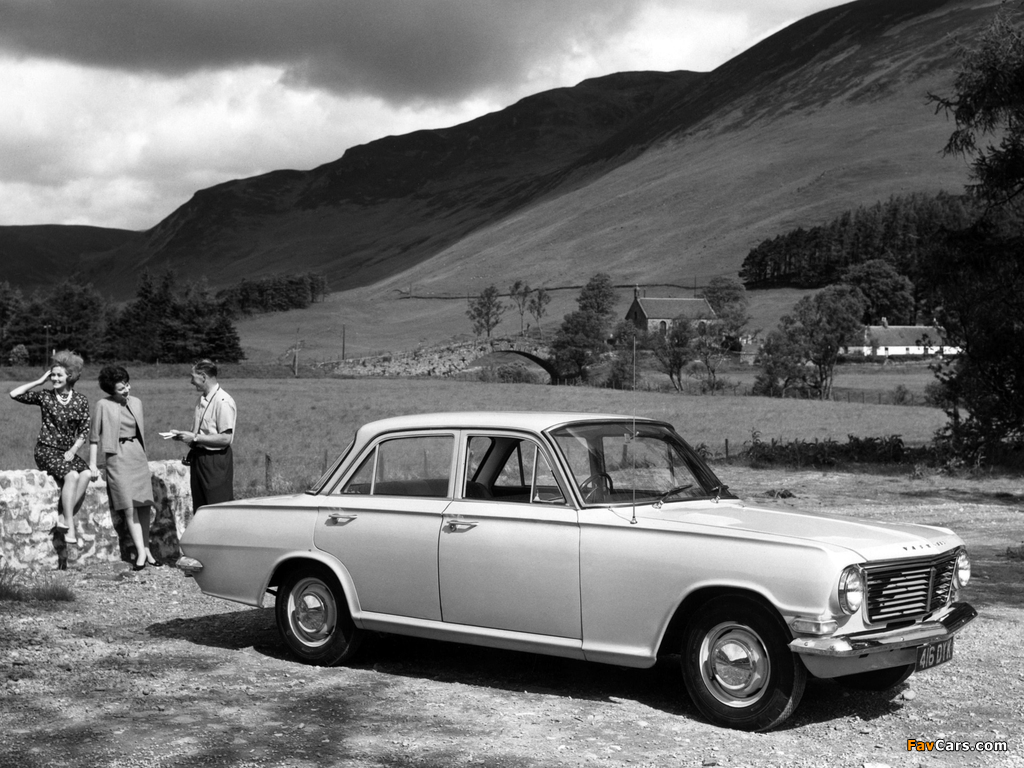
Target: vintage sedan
x=598, y=537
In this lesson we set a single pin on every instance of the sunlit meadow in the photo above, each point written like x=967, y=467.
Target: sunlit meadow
x=289, y=429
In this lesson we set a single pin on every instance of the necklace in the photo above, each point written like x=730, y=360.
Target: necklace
x=63, y=399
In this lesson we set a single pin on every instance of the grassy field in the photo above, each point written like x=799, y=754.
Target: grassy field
x=302, y=424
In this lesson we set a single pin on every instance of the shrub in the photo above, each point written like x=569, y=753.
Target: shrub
x=19, y=355
x=825, y=453
x=18, y=587
x=901, y=395
x=511, y=373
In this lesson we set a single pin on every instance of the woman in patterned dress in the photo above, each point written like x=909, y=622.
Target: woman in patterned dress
x=117, y=430
x=64, y=430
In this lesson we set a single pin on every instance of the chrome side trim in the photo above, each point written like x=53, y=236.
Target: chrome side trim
x=565, y=647
x=959, y=617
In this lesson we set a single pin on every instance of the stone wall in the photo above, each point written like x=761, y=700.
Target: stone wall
x=28, y=511
x=444, y=360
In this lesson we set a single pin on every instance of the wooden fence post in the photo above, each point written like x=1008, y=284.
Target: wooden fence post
x=269, y=472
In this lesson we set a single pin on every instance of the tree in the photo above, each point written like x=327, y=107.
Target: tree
x=520, y=293
x=714, y=340
x=672, y=351
x=979, y=274
x=10, y=305
x=578, y=344
x=711, y=345
x=988, y=100
x=887, y=294
x=783, y=371
x=976, y=279
x=485, y=311
x=539, y=304
x=71, y=315
x=598, y=297
x=163, y=323
x=629, y=343
x=724, y=292
x=820, y=326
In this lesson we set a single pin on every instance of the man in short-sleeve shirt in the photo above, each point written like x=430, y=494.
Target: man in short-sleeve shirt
x=209, y=441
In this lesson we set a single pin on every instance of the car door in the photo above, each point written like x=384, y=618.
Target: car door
x=508, y=556
x=382, y=523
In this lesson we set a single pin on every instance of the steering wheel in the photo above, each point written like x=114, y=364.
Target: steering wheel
x=592, y=480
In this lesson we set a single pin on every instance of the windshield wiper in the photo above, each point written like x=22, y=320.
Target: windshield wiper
x=716, y=493
x=671, y=492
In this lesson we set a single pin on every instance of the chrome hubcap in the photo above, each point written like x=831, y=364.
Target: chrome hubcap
x=312, y=612
x=734, y=664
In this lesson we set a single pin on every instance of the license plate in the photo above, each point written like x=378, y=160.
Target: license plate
x=933, y=654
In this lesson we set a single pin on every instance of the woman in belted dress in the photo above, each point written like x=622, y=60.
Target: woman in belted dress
x=64, y=431
x=118, y=431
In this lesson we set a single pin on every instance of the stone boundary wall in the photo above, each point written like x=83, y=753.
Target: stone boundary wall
x=446, y=360
x=28, y=510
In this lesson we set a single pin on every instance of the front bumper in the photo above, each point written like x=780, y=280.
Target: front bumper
x=833, y=656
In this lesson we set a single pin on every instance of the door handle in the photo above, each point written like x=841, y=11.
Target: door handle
x=454, y=525
x=340, y=518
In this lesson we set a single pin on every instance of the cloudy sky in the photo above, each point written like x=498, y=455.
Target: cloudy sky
x=115, y=111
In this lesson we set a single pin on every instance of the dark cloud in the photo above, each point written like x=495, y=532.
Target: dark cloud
x=400, y=50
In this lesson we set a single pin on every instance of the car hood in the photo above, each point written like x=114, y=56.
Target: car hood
x=870, y=540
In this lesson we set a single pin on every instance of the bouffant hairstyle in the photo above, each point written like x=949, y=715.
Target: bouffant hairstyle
x=205, y=366
x=111, y=376
x=70, y=362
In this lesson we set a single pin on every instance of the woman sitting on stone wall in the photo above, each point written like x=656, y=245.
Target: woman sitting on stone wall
x=64, y=430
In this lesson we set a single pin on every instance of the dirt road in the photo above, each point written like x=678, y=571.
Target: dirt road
x=142, y=670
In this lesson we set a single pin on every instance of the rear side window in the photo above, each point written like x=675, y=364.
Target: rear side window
x=405, y=466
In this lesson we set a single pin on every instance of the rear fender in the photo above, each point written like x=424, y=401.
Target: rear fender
x=292, y=561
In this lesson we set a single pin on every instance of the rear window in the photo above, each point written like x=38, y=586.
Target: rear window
x=405, y=466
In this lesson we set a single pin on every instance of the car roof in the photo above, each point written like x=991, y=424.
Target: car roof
x=536, y=421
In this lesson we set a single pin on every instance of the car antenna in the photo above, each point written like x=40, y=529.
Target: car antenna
x=632, y=520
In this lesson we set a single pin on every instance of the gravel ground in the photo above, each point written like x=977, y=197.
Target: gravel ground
x=143, y=670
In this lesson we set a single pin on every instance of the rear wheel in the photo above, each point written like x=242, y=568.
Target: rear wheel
x=313, y=617
x=877, y=679
x=737, y=665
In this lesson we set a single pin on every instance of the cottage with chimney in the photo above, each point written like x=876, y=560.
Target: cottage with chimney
x=902, y=340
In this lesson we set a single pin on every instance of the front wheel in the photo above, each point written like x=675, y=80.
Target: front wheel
x=737, y=665
x=313, y=618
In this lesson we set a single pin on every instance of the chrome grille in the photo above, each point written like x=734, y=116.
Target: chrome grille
x=905, y=589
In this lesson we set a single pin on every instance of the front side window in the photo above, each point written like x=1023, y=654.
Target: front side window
x=405, y=466
x=509, y=469
x=619, y=462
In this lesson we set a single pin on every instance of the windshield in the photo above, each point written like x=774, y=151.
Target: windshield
x=613, y=464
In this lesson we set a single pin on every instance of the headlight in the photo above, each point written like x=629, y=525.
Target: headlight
x=851, y=589
x=963, y=568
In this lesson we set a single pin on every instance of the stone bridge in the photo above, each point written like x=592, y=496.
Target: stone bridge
x=444, y=359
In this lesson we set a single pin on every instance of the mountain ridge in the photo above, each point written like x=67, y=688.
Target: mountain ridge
x=654, y=177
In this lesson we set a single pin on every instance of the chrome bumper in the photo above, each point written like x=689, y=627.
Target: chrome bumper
x=189, y=566
x=959, y=617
